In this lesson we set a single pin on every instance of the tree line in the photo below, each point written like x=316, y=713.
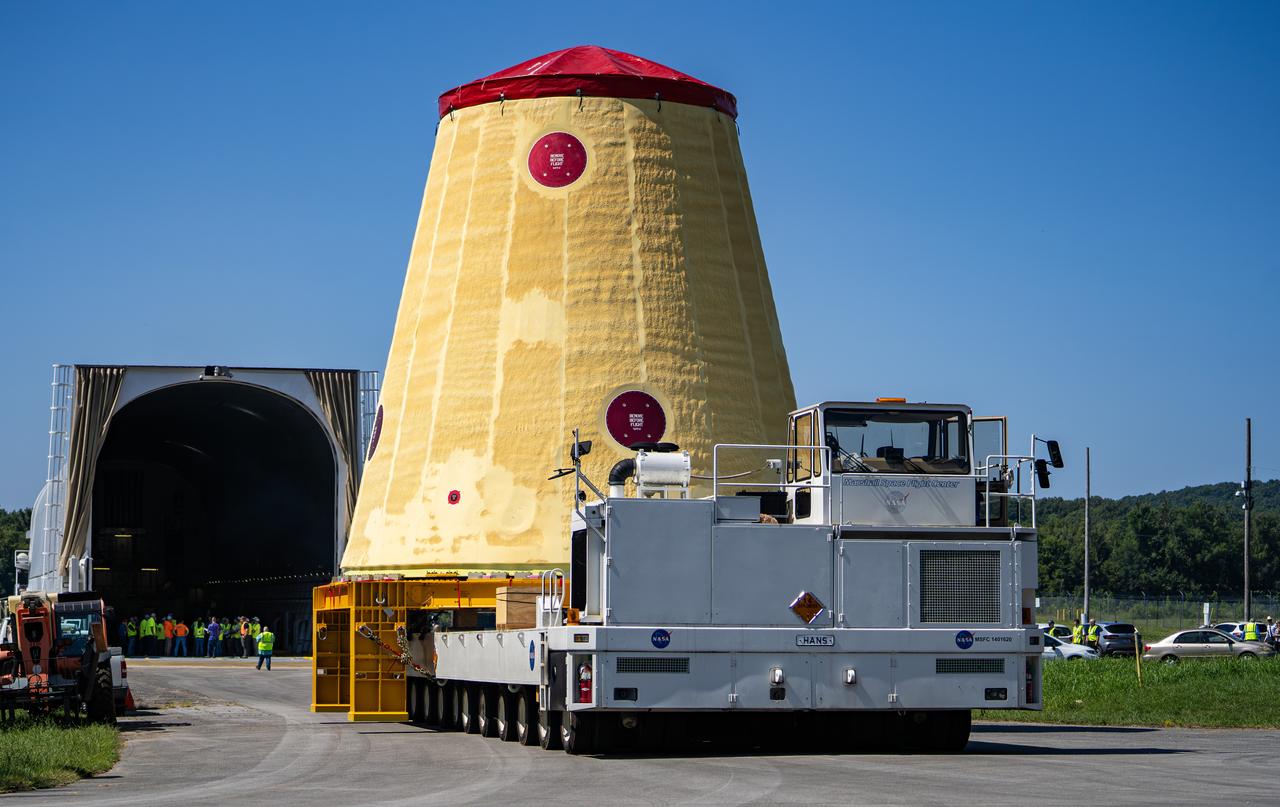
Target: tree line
x=1188, y=541
x=13, y=536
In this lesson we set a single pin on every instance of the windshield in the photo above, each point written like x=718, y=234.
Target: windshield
x=75, y=629
x=897, y=442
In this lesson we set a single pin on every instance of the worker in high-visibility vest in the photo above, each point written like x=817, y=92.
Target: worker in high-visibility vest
x=266, y=643
x=180, y=631
x=131, y=636
x=1077, y=633
x=146, y=631
x=1251, y=631
x=1095, y=632
x=200, y=630
x=166, y=629
x=246, y=638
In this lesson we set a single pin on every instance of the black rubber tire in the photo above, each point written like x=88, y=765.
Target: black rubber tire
x=467, y=713
x=951, y=731
x=527, y=718
x=1248, y=655
x=486, y=710
x=415, y=697
x=443, y=694
x=101, y=706
x=549, y=730
x=578, y=733
x=505, y=715
x=430, y=705
x=1170, y=659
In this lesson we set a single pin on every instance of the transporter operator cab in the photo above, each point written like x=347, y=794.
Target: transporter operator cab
x=893, y=464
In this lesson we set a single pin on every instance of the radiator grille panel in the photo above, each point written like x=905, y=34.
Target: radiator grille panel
x=653, y=664
x=969, y=666
x=960, y=586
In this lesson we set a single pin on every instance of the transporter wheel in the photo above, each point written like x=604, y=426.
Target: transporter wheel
x=506, y=714
x=486, y=710
x=442, y=694
x=430, y=706
x=578, y=733
x=549, y=730
x=526, y=717
x=951, y=731
x=468, y=718
x=414, y=697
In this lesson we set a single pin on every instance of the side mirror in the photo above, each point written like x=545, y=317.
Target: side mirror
x=1055, y=454
x=1042, y=473
x=579, y=450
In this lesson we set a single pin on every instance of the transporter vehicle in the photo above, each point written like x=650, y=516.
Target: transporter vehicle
x=875, y=586
x=1204, y=643
x=54, y=654
x=1055, y=649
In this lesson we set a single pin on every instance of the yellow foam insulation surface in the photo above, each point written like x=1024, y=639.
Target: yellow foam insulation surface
x=526, y=309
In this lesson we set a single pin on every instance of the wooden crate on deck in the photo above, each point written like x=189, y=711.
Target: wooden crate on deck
x=517, y=606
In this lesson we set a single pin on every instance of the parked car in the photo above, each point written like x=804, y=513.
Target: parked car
x=1062, y=632
x=1116, y=639
x=1203, y=643
x=1236, y=629
x=1055, y=649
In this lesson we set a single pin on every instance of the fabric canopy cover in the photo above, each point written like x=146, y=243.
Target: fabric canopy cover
x=590, y=71
x=339, y=395
x=96, y=392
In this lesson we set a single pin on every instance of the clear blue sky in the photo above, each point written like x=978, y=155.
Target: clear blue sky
x=1068, y=213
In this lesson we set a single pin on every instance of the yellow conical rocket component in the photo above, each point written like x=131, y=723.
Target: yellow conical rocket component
x=570, y=249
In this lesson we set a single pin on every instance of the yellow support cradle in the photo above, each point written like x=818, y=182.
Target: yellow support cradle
x=354, y=675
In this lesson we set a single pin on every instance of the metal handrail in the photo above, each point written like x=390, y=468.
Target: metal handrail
x=715, y=468
x=549, y=597
x=1018, y=461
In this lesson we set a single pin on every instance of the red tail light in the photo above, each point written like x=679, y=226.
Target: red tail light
x=124, y=669
x=1146, y=648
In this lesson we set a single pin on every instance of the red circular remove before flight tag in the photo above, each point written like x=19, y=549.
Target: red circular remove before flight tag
x=454, y=497
x=635, y=417
x=557, y=160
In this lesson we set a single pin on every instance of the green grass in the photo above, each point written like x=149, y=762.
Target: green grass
x=48, y=751
x=1210, y=693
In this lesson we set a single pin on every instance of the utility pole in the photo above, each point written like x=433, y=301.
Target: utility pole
x=1247, y=491
x=1086, y=534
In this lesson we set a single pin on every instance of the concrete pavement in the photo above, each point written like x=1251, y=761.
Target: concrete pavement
x=220, y=734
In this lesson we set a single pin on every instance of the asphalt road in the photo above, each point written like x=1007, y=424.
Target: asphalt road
x=228, y=734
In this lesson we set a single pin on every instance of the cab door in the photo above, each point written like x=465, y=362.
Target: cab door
x=803, y=466
x=991, y=436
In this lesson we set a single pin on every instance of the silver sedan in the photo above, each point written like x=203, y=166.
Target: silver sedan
x=1203, y=643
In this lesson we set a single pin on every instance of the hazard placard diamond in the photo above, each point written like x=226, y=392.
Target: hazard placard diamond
x=807, y=607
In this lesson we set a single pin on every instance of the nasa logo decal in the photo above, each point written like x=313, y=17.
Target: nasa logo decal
x=660, y=638
x=964, y=640
x=377, y=432
x=533, y=655
x=557, y=160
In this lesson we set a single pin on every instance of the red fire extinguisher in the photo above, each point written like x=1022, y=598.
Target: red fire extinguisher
x=584, y=682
